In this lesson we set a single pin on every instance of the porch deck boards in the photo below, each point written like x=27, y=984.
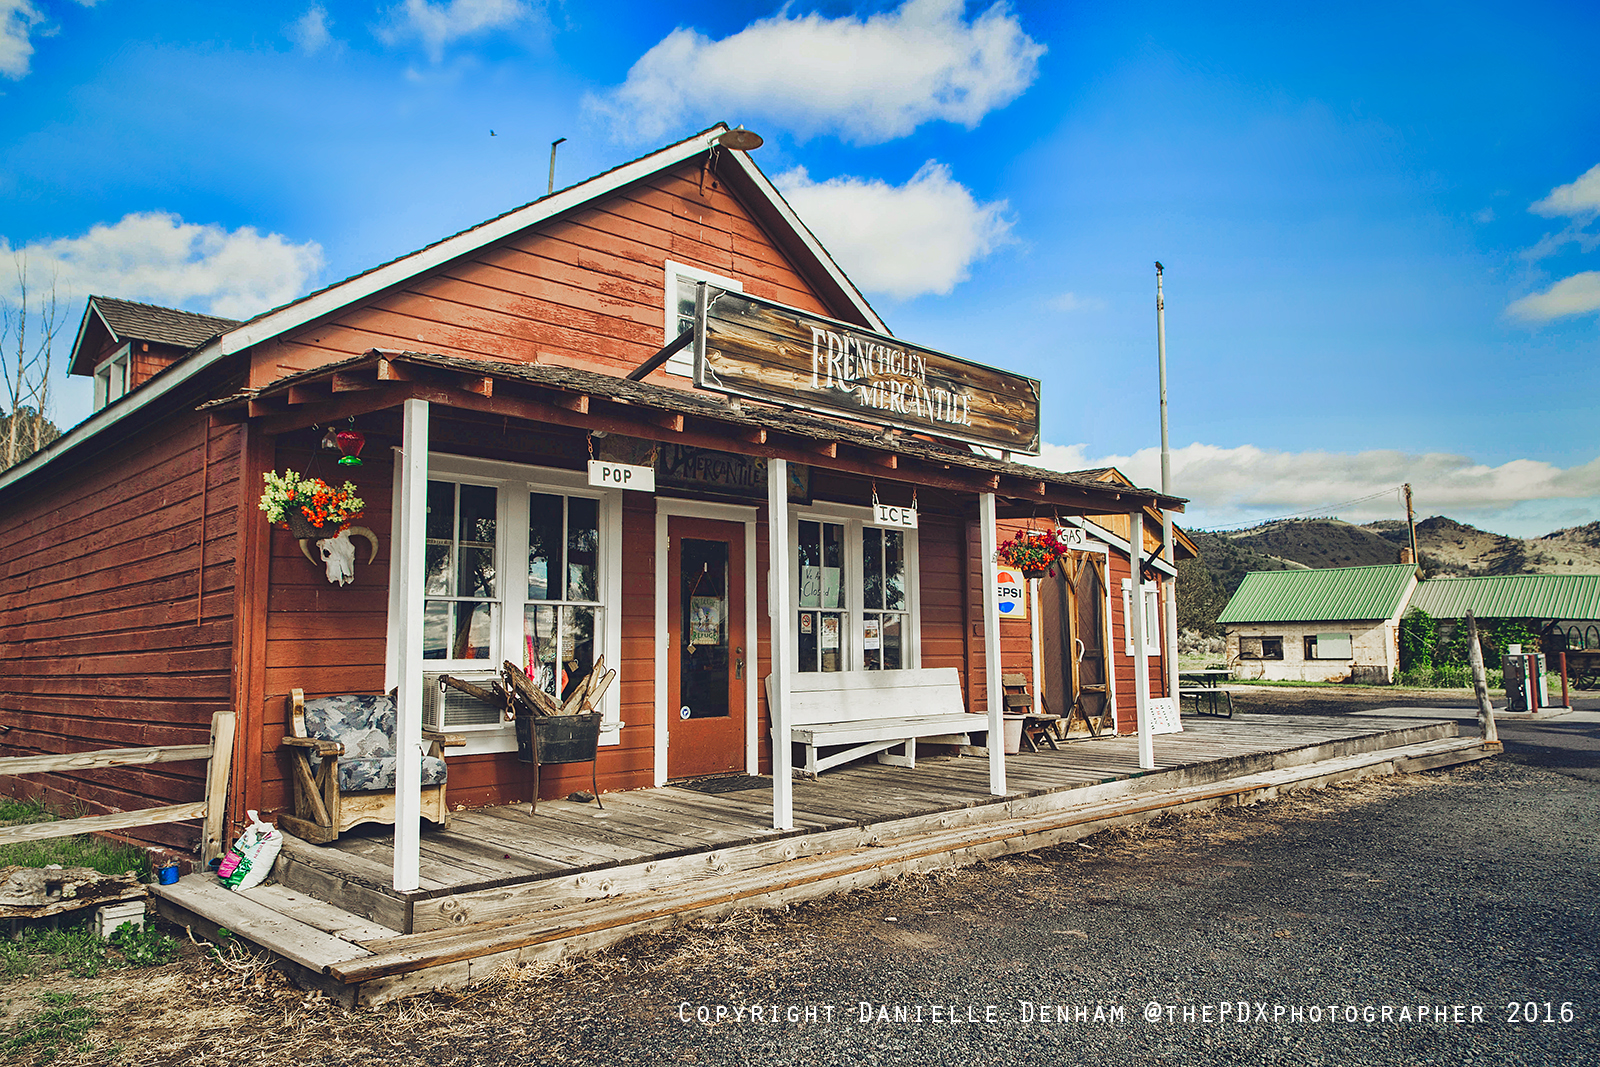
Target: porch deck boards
x=501, y=846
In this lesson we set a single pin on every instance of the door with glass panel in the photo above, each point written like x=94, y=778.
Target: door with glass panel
x=708, y=653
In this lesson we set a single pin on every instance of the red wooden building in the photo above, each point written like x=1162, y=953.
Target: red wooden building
x=141, y=588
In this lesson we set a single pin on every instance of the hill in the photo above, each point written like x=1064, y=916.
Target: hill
x=1445, y=545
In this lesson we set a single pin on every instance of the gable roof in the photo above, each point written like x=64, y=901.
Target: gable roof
x=129, y=320
x=767, y=204
x=1511, y=596
x=1326, y=594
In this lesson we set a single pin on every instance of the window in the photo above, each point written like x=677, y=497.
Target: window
x=561, y=619
x=681, y=282
x=1260, y=648
x=823, y=628
x=855, y=599
x=883, y=625
x=461, y=601
x=1327, y=646
x=1152, y=618
x=520, y=564
x=111, y=377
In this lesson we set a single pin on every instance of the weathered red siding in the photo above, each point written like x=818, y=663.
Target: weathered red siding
x=583, y=290
x=112, y=634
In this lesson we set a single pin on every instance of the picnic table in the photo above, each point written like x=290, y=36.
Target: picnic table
x=1205, y=689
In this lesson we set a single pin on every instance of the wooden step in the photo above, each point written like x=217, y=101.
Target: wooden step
x=199, y=902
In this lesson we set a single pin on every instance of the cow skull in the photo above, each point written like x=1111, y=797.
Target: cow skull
x=339, y=553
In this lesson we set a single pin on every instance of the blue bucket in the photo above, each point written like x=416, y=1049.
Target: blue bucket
x=167, y=875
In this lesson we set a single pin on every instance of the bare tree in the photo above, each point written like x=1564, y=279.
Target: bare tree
x=25, y=426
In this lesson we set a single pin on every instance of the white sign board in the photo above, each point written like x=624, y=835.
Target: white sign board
x=1013, y=593
x=1071, y=537
x=622, y=476
x=893, y=515
x=1164, y=716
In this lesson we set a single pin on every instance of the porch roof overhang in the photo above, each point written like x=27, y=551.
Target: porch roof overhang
x=588, y=401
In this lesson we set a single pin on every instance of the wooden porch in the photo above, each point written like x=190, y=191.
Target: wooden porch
x=501, y=885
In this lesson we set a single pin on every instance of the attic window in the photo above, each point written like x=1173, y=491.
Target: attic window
x=111, y=377
x=681, y=280
x=1260, y=648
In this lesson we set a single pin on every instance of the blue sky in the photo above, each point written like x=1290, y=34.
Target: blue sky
x=1379, y=222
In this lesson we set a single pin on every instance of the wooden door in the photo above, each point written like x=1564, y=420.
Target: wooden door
x=707, y=647
x=1073, y=642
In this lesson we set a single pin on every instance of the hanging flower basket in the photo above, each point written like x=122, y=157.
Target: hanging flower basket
x=1031, y=553
x=309, y=508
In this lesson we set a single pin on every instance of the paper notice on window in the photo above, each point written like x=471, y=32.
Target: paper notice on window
x=705, y=620
x=832, y=579
x=830, y=632
x=805, y=622
x=869, y=635
x=810, y=587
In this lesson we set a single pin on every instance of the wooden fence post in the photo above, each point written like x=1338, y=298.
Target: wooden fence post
x=1480, y=684
x=217, y=768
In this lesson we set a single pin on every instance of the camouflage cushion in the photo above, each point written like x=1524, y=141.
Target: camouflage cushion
x=366, y=727
x=356, y=775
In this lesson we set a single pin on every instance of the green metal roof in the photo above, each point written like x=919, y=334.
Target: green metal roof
x=1325, y=594
x=1512, y=596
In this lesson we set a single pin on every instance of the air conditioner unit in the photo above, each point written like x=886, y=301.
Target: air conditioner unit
x=444, y=708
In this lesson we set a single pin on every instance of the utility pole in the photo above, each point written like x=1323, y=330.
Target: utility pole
x=1411, y=524
x=1169, y=657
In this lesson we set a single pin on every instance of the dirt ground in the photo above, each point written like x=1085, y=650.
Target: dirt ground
x=210, y=1008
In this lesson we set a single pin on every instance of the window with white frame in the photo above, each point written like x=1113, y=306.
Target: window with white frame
x=519, y=565
x=111, y=377
x=681, y=283
x=1152, y=618
x=855, y=600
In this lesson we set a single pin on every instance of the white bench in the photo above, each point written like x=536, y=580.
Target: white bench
x=866, y=712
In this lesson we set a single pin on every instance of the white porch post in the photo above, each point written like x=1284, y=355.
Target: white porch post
x=784, y=657
x=408, y=556
x=1037, y=646
x=1169, y=647
x=991, y=644
x=1141, y=658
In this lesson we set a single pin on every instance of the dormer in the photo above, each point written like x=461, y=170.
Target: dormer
x=124, y=344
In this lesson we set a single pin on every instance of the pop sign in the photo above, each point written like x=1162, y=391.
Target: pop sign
x=622, y=476
x=1013, y=590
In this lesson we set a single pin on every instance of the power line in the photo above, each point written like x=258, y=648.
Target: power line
x=1312, y=513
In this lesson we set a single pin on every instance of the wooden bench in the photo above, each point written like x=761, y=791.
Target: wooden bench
x=859, y=713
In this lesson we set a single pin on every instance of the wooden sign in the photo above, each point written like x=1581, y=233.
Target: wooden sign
x=610, y=475
x=746, y=346
x=725, y=473
x=895, y=515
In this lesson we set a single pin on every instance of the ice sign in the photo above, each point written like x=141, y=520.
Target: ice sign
x=1013, y=592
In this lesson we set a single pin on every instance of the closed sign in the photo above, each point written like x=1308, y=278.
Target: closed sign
x=622, y=476
x=1012, y=588
x=894, y=515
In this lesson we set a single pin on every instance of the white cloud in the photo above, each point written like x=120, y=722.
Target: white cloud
x=1573, y=200
x=439, y=25
x=17, y=20
x=903, y=240
x=868, y=79
x=1569, y=296
x=161, y=259
x=310, y=32
x=1076, y=302
x=1247, y=484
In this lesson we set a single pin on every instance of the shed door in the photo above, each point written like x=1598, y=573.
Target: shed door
x=1073, y=640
